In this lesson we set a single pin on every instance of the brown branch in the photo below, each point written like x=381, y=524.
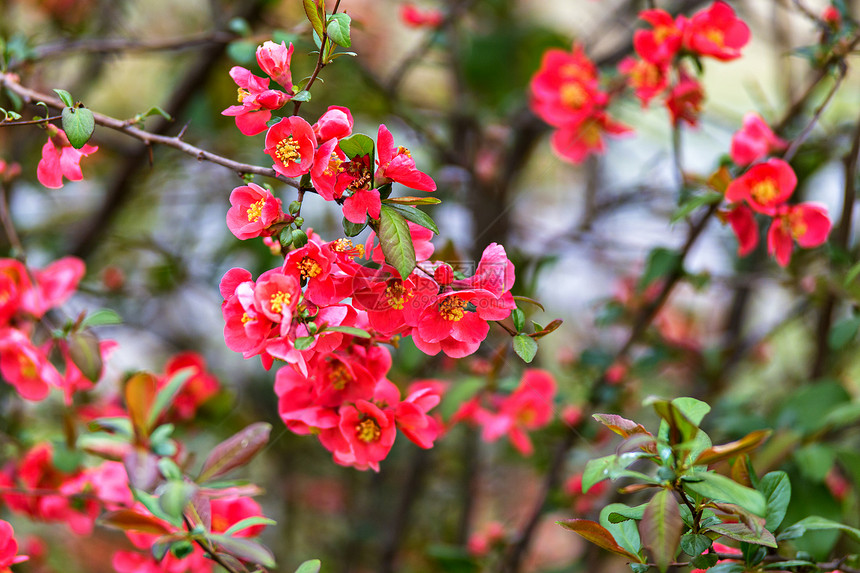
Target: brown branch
x=321, y=63
x=31, y=96
x=30, y=122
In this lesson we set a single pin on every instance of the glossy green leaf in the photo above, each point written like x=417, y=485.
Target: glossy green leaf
x=815, y=523
x=661, y=528
x=624, y=532
x=661, y=263
x=79, y=124
x=742, y=532
x=597, y=534
x=102, y=317
x=315, y=11
x=357, y=145
x=245, y=549
x=843, y=332
x=65, y=97
x=694, y=544
x=776, y=488
x=312, y=566
x=351, y=229
x=693, y=203
x=338, y=29
x=303, y=342
x=417, y=216
x=526, y=347
x=412, y=201
x=354, y=331
x=720, y=488
x=249, y=522
x=165, y=396
x=396, y=241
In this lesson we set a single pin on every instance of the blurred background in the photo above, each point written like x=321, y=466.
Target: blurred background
x=741, y=334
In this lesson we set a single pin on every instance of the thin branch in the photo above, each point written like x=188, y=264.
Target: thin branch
x=30, y=122
x=320, y=61
x=31, y=96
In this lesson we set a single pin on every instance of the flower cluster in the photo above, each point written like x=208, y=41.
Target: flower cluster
x=256, y=100
x=565, y=92
x=715, y=32
x=765, y=188
x=528, y=407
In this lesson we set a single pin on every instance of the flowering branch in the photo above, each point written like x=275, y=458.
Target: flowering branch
x=10, y=82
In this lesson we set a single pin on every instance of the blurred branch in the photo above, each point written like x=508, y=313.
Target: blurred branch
x=31, y=96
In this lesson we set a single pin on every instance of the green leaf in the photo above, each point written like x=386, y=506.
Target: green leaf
x=242, y=51
x=312, y=566
x=596, y=470
x=359, y=332
x=681, y=428
x=624, y=532
x=843, y=332
x=174, y=496
x=852, y=274
x=235, y=451
x=120, y=426
x=519, y=319
x=85, y=352
x=720, y=488
x=776, y=488
x=303, y=342
x=245, y=549
x=315, y=11
x=239, y=26
x=102, y=317
x=459, y=393
x=357, y=145
x=412, y=201
x=621, y=512
x=661, y=528
x=693, y=203
x=815, y=523
x=66, y=460
x=169, y=469
x=694, y=410
x=78, y=123
x=694, y=544
x=597, y=534
x=396, y=241
x=351, y=229
x=742, y=532
x=165, y=396
x=416, y=215
x=705, y=561
x=661, y=263
x=66, y=97
x=303, y=95
x=155, y=110
x=526, y=347
x=814, y=461
x=249, y=522
x=338, y=29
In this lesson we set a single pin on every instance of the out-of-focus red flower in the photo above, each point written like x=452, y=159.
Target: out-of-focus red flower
x=764, y=187
x=716, y=32
x=417, y=18
x=754, y=140
x=660, y=44
x=806, y=223
x=742, y=222
x=646, y=78
x=685, y=100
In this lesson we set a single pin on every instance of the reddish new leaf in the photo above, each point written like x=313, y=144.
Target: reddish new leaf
x=235, y=451
x=130, y=520
x=723, y=451
x=597, y=534
x=621, y=426
x=661, y=528
x=86, y=354
x=140, y=392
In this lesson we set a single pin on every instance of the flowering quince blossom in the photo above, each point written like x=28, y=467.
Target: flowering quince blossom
x=199, y=387
x=60, y=159
x=659, y=44
x=575, y=142
x=26, y=367
x=685, y=100
x=396, y=164
x=416, y=18
x=646, y=78
x=274, y=60
x=529, y=407
x=764, y=186
x=754, y=140
x=806, y=223
x=256, y=101
x=716, y=32
x=8, y=547
x=291, y=144
x=742, y=221
x=253, y=211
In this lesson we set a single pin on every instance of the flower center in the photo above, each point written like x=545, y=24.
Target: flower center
x=403, y=151
x=309, y=267
x=396, y=295
x=368, y=430
x=797, y=225
x=716, y=36
x=243, y=93
x=339, y=376
x=573, y=95
x=452, y=308
x=333, y=165
x=27, y=366
x=764, y=191
x=572, y=71
x=255, y=211
x=287, y=150
x=245, y=318
x=278, y=300
x=661, y=33
x=346, y=247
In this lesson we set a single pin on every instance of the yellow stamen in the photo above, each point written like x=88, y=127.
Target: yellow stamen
x=333, y=165
x=397, y=295
x=245, y=318
x=309, y=268
x=243, y=93
x=797, y=224
x=339, y=376
x=278, y=300
x=716, y=36
x=346, y=247
x=573, y=95
x=452, y=308
x=764, y=191
x=403, y=151
x=287, y=150
x=368, y=430
x=255, y=211
x=27, y=367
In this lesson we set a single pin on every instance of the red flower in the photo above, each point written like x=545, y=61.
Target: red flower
x=416, y=18
x=396, y=164
x=765, y=186
x=361, y=203
x=685, y=100
x=529, y=407
x=741, y=219
x=660, y=44
x=199, y=387
x=720, y=548
x=369, y=433
x=26, y=367
x=253, y=210
x=576, y=141
x=754, y=140
x=60, y=159
x=565, y=90
x=8, y=547
x=291, y=144
x=335, y=123
x=274, y=60
x=646, y=78
x=256, y=100
x=806, y=223
x=716, y=32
